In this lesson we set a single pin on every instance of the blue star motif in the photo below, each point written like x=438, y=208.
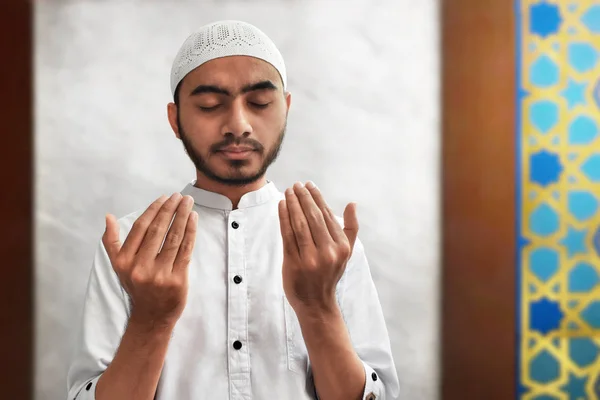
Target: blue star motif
x=545, y=168
x=597, y=387
x=575, y=241
x=522, y=242
x=522, y=93
x=545, y=315
x=596, y=241
x=544, y=19
x=591, y=19
x=591, y=314
x=591, y=167
x=522, y=389
x=574, y=93
x=576, y=387
x=596, y=94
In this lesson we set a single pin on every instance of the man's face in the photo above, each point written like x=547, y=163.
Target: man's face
x=231, y=118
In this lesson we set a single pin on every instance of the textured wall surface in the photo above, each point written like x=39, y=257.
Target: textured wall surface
x=363, y=125
x=559, y=182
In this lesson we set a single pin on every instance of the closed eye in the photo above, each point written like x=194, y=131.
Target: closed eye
x=259, y=105
x=208, y=109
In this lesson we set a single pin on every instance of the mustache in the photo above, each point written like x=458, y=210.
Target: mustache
x=233, y=141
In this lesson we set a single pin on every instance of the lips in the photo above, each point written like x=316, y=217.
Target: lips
x=235, y=149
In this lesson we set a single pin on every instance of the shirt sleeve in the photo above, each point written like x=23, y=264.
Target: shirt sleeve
x=364, y=319
x=105, y=315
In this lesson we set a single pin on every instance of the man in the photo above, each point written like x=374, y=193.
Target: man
x=231, y=289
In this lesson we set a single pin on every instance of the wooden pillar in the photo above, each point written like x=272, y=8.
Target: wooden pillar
x=16, y=200
x=478, y=136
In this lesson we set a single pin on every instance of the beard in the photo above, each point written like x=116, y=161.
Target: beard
x=236, y=177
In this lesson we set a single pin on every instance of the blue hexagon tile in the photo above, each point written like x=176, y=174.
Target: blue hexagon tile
x=582, y=56
x=582, y=204
x=583, y=130
x=545, y=397
x=544, y=72
x=583, y=351
x=544, y=115
x=544, y=368
x=544, y=263
x=544, y=221
x=583, y=278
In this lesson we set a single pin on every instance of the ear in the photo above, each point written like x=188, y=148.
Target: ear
x=288, y=100
x=172, y=115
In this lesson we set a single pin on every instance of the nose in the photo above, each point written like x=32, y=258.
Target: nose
x=237, y=123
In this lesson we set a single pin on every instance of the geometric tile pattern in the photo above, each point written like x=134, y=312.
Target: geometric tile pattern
x=558, y=206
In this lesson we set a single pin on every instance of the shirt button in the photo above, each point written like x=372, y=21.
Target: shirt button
x=237, y=345
x=235, y=225
x=374, y=376
x=237, y=279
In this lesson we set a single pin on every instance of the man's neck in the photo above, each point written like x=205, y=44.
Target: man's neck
x=233, y=193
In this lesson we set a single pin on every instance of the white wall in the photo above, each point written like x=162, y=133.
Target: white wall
x=364, y=78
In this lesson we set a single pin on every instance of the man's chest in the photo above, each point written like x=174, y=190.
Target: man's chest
x=235, y=279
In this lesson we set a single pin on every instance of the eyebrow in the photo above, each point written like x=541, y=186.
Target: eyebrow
x=263, y=85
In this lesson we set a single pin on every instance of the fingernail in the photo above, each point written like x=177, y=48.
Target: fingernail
x=289, y=191
x=310, y=185
x=176, y=196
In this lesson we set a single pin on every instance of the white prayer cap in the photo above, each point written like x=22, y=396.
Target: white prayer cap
x=223, y=39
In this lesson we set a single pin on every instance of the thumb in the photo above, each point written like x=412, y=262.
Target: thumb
x=351, y=223
x=110, y=239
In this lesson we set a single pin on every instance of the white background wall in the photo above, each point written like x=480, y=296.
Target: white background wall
x=364, y=78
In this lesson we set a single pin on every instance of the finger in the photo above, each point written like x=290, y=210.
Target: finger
x=299, y=223
x=335, y=230
x=351, y=223
x=110, y=239
x=287, y=232
x=170, y=247
x=313, y=214
x=158, y=228
x=184, y=254
x=140, y=226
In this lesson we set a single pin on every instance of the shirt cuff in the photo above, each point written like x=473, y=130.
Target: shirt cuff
x=88, y=391
x=373, y=386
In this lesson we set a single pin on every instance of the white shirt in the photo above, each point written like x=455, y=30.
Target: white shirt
x=201, y=360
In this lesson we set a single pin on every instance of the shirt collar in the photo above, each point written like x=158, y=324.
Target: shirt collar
x=215, y=200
